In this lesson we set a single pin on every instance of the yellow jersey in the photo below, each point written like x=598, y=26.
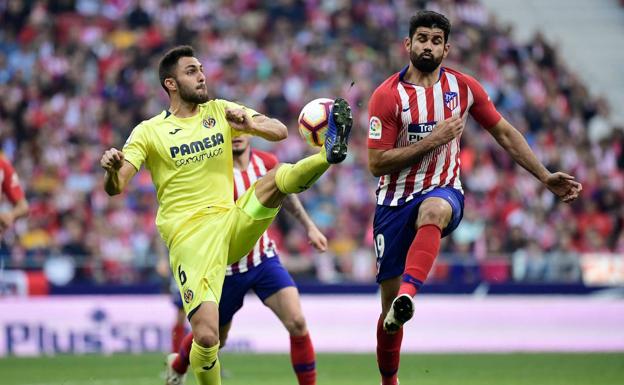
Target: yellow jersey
x=190, y=161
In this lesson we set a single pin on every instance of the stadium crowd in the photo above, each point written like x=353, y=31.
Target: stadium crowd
x=77, y=75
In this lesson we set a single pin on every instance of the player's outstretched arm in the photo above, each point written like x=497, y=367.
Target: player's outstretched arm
x=382, y=162
x=562, y=185
x=258, y=125
x=118, y=171
x=316, y=238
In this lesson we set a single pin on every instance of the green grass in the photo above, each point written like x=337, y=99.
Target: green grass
x=333, y=369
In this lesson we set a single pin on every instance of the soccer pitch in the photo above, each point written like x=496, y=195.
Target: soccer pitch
x=333, y=369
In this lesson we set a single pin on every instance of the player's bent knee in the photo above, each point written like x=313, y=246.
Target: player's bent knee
x=267, y=181
x=206, y=336
x=267, y=190
x=206, y=339
x=296, y=326
x=438, y=214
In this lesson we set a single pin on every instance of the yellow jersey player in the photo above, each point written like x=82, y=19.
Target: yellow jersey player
x=188, y=152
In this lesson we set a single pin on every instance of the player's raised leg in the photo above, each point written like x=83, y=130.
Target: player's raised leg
x=405, y=254
x=298, y=177
x=434, y=214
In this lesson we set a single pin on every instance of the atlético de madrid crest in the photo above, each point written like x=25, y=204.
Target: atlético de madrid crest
x=450, y=100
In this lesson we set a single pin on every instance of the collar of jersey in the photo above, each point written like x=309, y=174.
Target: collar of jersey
x=404, y=71
x=187, y=120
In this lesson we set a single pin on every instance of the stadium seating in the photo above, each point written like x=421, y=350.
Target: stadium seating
x=76, y=76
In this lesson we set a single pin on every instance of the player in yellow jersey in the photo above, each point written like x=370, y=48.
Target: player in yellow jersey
x=188, y=152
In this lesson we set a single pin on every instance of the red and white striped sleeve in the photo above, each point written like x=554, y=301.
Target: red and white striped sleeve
x=482, y=109
x=383, y=119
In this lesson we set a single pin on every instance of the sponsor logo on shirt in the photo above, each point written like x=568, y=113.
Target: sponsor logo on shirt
x=419, y=131
x=374, y=129
x=196, y=146
x=199, y=150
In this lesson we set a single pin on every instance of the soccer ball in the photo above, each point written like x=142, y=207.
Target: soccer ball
x=313, y=121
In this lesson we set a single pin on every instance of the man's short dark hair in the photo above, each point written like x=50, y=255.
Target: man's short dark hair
x=430, y=19
x=167, y=65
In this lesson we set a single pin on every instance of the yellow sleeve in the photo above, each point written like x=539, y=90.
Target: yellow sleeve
x=135, y=149
x=231, y=105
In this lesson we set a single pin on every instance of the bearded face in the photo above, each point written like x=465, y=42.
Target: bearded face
x=425, y=61
x=427, y=49
x=196, y=94
x=190, y=81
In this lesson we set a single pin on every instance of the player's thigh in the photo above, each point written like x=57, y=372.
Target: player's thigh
x=286, y=304
x=393, y=231
x=205, y=324
x=434, y=211
x=197, y=257
x=443, y=207
x=276, y=289
x=252, y=219
x=233, y=296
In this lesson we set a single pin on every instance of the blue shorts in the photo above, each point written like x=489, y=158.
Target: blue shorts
x=176, y=297
x=177, y=301
x=265, y=279
x=394, y=228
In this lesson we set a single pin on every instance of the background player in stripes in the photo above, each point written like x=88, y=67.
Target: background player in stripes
x=262, y=272
x=417, y=117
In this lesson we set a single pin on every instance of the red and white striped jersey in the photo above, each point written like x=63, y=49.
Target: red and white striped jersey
x=401, y=113
x=259, y=164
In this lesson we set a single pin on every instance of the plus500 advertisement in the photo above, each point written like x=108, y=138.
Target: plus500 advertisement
x=75, y=325
x=337, y=323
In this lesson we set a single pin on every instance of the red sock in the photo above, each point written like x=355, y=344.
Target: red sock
x=302, y=358
x=388, y=353
x=182, y=361
x=177, y=335
x=420, y=257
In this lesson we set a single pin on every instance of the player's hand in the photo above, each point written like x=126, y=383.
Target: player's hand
x=563, y=186
x=447, y=130
x=240, y=120
x=112, y=160
x=317, y=239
